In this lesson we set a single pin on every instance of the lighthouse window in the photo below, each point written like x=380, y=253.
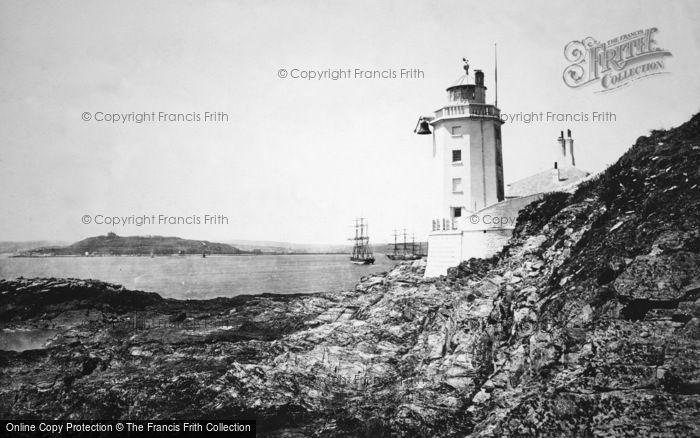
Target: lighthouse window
x=456, y=185
x=456, y=212
x=457, y=156
x=456, y=131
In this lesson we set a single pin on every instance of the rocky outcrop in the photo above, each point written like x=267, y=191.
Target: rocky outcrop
x=585, y=325
x=25, y=298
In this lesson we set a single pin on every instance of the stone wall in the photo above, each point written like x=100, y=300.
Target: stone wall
x=448, y=249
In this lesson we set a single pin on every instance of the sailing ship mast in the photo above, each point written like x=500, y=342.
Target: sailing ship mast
x=404, y=242
x=408, y=250
x=361, y=251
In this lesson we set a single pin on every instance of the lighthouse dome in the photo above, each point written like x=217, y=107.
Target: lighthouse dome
x=463, y=80
x=468, y=89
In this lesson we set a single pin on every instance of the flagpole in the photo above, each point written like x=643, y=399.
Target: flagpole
x=495, y=55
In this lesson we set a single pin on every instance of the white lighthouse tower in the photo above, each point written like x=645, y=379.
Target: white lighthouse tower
x=467, y=161
x=466, y=172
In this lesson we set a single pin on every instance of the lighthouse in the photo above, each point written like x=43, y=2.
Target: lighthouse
x=466, y=174
x=466, y=159
x=473, y=216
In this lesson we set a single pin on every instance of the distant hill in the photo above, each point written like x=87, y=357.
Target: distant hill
x=18, y=247
x=268, y=246
x=112, y=244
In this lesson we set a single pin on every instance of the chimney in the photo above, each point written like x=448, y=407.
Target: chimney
x=555, y=173
x=479, y=78
x=570, y=142
x=479, y=88
x=560, y=155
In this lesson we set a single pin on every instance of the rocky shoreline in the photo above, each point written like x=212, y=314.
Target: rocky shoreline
x=587, y=324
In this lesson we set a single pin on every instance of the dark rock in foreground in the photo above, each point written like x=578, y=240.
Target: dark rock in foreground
x=25, y=298
x=586, y=325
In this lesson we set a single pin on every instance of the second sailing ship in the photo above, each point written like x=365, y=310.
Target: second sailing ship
x=406, y=252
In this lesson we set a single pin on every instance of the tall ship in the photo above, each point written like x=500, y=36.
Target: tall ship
x=361, y=251
x=407, y=250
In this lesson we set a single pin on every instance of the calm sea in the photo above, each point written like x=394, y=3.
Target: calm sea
x=197, y=278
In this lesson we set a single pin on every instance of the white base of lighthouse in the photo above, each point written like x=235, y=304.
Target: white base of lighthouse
x=447, y=249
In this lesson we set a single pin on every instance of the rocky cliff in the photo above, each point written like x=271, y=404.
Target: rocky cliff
x=587, y=324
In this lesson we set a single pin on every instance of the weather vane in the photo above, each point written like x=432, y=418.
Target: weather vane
x=466, y=66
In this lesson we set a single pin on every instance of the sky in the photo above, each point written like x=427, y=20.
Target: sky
x=297, y=160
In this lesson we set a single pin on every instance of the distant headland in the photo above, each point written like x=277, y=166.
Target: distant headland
x=114, y=245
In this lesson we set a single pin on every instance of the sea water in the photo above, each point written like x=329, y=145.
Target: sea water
x=195, y=277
